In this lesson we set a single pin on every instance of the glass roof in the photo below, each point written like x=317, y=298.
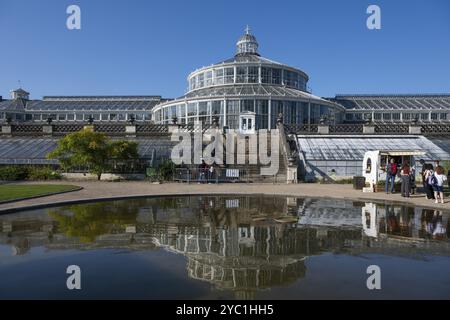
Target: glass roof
x=34, y=151
x=354, y=148
x=251, y=89
x=84, y=104
x=394, y=102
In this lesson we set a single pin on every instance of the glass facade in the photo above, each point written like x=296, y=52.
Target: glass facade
x=240, y=74
x=293, y=112
x=397, y=117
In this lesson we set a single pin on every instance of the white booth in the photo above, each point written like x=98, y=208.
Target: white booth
x=375, y=164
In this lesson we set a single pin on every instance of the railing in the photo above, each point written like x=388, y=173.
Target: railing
x=194, y=127
x=218, y=175
x=122, y=129
x=379, y=129
x=436, y=129
x=61, y=129
x=110, y=129
x=346, y=128
x=301, y=128
x=391, y=129
x=27, y=129
x=151, y=129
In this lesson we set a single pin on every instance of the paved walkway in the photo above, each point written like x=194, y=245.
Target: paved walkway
x=111, y=190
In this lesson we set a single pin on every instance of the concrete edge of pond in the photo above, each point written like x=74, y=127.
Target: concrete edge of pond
x=206, y=191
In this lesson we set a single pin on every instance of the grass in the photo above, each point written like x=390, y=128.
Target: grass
x=9, y=192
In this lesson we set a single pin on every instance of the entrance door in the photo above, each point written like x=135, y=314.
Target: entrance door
x=247, y=123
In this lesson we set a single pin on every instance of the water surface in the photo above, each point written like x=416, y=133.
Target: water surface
x=214, y=247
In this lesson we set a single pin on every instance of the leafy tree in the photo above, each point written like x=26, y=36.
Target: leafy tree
x=124, y=150
x=91, y=149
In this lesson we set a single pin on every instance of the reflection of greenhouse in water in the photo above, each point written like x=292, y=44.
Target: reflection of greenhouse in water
x=243, y=244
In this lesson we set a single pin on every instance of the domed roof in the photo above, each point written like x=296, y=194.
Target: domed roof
x=247, y=44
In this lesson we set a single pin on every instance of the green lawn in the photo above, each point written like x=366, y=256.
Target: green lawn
x=10, y=192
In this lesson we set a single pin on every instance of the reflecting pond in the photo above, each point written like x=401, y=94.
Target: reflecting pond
x=225, y=247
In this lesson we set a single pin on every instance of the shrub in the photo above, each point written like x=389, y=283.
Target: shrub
x=13, y=173
x=16, y=173
x=43, y=173
x=166, y=170
x=344, y=181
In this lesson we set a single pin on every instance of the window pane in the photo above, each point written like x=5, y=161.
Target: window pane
x=229, y=75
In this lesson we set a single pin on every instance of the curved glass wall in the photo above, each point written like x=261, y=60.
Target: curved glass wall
x=228, y=110
x=241, y=74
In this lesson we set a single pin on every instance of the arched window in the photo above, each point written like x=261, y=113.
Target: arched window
x=369, y=165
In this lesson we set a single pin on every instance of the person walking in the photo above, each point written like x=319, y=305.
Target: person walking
x=428, y=173
x=438, y=184
x=406, y=179
x=391, y=172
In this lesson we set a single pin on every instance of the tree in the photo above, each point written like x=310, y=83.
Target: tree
x=124, y=150
x=92, y=150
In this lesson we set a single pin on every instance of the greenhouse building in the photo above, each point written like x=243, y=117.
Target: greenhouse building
x=248, y=92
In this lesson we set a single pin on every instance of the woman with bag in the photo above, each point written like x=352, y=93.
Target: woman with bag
x=438, y=184
x=406, y=179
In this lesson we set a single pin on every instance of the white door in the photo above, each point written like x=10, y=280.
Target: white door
x=247, y=124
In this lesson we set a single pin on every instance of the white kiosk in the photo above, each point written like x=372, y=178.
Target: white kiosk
x=375, y=164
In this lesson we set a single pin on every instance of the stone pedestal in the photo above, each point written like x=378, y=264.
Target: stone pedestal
x=172, y=128
x=89, y=127
x=323, y=129
x=368, y=129
x=415, y=129
x=6, y=129
x=47, y=129
x=130, y=130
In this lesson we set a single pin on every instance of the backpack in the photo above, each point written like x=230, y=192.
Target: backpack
x=392, y=169
x=432, y=180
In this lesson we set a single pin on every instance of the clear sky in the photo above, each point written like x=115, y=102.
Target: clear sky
x=138, y=47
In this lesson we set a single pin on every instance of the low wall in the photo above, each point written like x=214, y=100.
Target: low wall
x=104, y=177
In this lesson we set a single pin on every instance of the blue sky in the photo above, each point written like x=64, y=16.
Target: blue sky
x=149, y=47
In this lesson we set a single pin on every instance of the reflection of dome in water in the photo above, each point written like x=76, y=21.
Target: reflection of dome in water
x=246, y=274
x=243, y=259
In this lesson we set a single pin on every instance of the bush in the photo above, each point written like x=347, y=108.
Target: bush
x=166, y=170
x=16, y=173
x=43, y=173
x=343, y=181
x=13, y=173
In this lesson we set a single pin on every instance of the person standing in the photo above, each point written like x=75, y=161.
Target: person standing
x=438, y=184
x=436, y=164
x=413, y=180
x=202, y=172
x=406, y=179
x=211, y=173
x=391, y=172
x=422, y=173
x=428, y=173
